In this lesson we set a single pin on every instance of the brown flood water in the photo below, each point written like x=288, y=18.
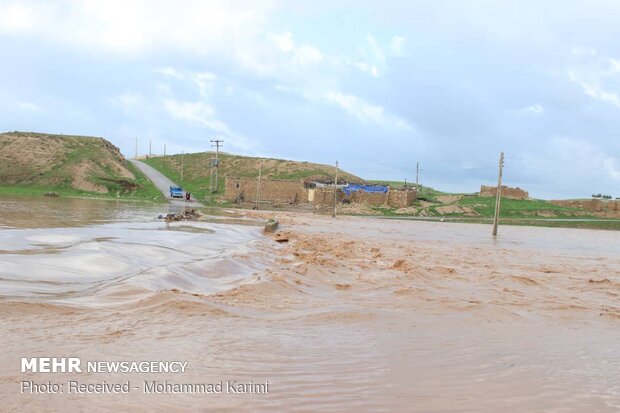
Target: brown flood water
x=352, y=314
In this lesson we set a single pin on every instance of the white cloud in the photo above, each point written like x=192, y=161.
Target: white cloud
x=584, y=52
x=534, y=109
x=374, y=59
x=203, y=80
x=375, y=50
x=168, y=71
x=129, y=102
x=204, y=115
x=397, y=46
x=365, y=111
x=15, y=18
x=141, y=26
x=28, y=106
x=284, y=41
x=600, y=94
x=591, y=76
x=197, y=112
x=300, y=55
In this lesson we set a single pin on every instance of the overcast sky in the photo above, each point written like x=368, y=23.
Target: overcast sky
x=375, y=85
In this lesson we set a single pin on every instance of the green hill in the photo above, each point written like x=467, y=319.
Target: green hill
x=197, y=170
x=35, y=163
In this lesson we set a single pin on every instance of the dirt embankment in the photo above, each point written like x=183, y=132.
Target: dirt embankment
x=598, y=207
x=83, y=163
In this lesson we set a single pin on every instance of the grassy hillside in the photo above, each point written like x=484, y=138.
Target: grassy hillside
x=197, y=171
x=35, y=163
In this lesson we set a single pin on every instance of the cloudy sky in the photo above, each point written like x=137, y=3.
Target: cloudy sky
x=375, y=85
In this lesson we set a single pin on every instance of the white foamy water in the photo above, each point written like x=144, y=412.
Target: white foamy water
x=88, y=263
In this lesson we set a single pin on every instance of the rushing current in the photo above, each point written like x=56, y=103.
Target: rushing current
x=345, y=314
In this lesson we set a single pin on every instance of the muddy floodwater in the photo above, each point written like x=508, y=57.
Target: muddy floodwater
x=350, y=314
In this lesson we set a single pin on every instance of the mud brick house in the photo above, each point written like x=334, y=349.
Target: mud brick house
x=276, y=191
x=507, y=192
x=368, y=195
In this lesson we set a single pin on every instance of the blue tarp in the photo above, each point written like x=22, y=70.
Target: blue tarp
x=349, y=189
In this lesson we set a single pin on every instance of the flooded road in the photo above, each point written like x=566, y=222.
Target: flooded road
x=352, y=314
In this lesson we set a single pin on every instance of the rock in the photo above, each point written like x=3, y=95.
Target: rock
x=271, y=226
x=190, y=214
x=51, y=194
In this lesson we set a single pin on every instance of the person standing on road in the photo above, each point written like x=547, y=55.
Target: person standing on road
x=188, y=196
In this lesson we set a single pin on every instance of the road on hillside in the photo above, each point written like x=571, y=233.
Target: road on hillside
x=163, y=183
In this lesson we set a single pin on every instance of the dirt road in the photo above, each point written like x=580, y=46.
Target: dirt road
x=163, y=183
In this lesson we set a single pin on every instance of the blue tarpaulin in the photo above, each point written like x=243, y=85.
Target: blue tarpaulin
x=349, y=189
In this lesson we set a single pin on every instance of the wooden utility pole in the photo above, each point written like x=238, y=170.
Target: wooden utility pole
x=217, y=145
x=498, y=194
x=335, y=191
x=182, y=163
x=136, y=148
x=260, y=172
x=150, y=153
x=417, y=176
x=164, y=150
x=211, y=176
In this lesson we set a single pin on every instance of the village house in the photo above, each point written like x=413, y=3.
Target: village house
x=321, y=194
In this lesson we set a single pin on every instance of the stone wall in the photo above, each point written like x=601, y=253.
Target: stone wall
x=277, y=191
x=368, y=198
x=400, y=199
x=394, y=198
x=324, y=197
x=507, y=192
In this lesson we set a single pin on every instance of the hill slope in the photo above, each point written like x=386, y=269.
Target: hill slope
x=76, y=165
x=197, y=171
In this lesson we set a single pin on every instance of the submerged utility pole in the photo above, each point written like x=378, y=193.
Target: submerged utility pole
x=335, y=191
x=217, y=145
x=498, y=194
x=182, y=163
x=260, y=172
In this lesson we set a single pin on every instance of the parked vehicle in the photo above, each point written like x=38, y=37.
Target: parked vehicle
x=176, y=192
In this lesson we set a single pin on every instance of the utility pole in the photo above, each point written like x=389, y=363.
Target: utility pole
x=498, y=194
x=150, y=153
x=164, y=150
x=417, y=177
x=182, y=163
x=136, y=148
x=335, y=191
x=260, y=172
x=211, y=175
x=217, y=145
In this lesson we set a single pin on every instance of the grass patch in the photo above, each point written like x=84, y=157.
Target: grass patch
x=197, y=171
x=517, y=208
x=68, y=193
